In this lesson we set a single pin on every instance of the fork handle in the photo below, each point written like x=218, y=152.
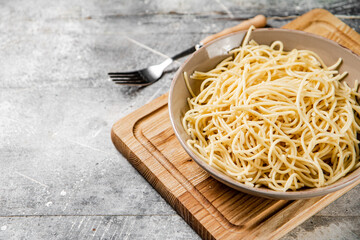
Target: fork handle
x=258, y=21
x=184, y=53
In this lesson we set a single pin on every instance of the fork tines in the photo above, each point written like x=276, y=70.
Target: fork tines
x=127, y=77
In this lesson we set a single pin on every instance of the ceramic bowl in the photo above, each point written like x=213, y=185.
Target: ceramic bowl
x=207, y=57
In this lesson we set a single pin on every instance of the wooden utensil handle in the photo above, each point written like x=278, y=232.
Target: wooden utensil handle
x=258, y=21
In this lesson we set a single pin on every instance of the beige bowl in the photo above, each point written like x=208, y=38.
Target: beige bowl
x=211, y=54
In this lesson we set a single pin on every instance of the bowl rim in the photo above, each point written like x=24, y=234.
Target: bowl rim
x=262, y=191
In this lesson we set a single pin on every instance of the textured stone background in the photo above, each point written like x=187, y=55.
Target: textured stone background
x=60, y=175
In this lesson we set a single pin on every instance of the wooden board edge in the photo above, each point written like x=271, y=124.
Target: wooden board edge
x=312, y=14
x=160, y=188
x=324, y=16
x=315, y=205
x=122, y=142
x=120, y=135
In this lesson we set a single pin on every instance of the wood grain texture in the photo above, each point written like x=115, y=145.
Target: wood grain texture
x=327, y=25
x=212, y=209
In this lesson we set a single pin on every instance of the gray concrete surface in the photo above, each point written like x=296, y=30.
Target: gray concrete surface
x=60, y=175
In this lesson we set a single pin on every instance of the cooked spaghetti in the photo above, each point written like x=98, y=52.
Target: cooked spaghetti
x=275, y=118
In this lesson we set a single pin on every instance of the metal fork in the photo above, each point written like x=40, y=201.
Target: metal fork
x=153, y=73
x=147, y=75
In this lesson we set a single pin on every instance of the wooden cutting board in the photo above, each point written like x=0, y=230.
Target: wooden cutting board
x=213, y=210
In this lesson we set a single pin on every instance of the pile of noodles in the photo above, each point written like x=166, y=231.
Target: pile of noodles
x=275, y=118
